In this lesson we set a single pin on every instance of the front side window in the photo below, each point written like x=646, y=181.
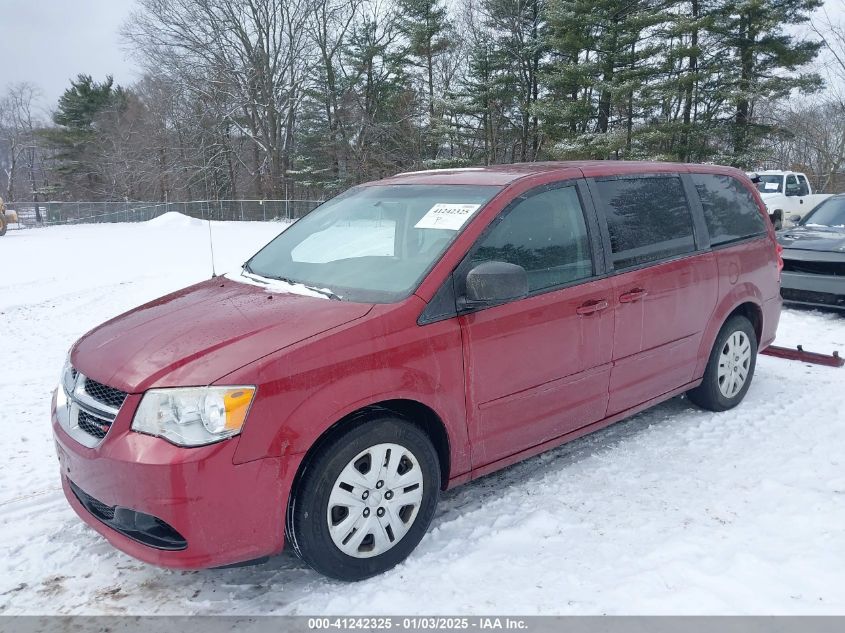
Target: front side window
x=803, y=185
x=730, y=211
x=546, y=235
x=648, y=219
x=372, y=243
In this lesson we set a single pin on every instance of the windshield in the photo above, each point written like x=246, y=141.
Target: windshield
x=831, y=212
x=770, y=183
x=371, y=244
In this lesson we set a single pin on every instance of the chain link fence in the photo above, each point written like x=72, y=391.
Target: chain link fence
x=53, y=213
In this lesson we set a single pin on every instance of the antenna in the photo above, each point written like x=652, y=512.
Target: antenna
x=211, y=246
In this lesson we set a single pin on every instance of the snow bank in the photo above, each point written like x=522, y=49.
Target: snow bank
x=174, y=220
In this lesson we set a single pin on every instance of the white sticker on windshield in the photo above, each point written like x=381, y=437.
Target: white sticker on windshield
x=772, y=186
x=444, y=215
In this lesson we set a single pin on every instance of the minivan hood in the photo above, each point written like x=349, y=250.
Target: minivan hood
x=813, y=238
x=201, y=333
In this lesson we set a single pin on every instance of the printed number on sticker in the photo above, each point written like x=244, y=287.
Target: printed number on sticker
x=444, y=215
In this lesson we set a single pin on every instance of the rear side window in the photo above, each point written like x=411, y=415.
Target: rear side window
x=730, y=211
x=546, y=235
x=648, y=219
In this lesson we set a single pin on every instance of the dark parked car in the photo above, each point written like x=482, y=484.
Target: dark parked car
x=408, y=336
x=814, y=257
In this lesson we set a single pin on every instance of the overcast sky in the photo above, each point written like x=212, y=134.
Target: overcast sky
x=49, y=42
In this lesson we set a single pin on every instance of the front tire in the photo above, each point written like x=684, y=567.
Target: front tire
x=730, y=367
x=365, y=500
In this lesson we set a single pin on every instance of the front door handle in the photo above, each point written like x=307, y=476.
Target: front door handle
x=591, y=307
x=633, y=295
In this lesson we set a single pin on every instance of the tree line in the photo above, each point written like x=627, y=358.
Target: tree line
x=302, y=98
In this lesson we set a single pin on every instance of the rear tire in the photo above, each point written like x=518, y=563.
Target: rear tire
x=730, y=367
x=365, y=500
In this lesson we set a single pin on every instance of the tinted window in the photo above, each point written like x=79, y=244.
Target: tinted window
x=546, y=235
x=730, y=211
x=648, y=219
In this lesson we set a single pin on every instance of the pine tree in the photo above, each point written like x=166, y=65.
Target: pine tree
x=604, y=63
x=426, y=27
x=761, y=61
x=518, y=30
x=79, y=107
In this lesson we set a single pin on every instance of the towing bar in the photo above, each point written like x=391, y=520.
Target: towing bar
x=829, y=360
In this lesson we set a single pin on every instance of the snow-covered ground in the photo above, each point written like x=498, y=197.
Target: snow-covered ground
x=674, y=511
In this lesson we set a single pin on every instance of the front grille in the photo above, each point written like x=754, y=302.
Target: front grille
x=105, y=394
x=809, y=296
x=92, y=407
x=836, y=269
x=93, y=425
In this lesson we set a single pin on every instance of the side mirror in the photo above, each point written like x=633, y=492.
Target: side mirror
x=795, y=218
x=494, y=282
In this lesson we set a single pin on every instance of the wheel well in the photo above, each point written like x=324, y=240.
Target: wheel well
x=411, y=410
x=753, y=313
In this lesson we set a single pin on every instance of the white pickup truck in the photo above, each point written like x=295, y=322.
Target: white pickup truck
x=787, y=194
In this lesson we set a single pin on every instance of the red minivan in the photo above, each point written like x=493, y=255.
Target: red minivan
x=405, y=337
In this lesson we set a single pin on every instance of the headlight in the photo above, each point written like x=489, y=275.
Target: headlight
x=193, y=416
x=66, y=379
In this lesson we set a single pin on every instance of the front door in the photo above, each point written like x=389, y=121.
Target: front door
x=537, y=368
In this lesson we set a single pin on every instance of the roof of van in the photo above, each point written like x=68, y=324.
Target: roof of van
x=505, y=174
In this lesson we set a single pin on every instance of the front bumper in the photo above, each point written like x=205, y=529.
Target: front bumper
x=822, y=291
x=226, y=513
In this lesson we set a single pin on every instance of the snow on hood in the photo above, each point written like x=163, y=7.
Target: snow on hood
x=813, y=237
x=277, y=285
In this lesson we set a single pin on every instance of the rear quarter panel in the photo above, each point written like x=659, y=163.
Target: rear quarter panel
x=747, y=273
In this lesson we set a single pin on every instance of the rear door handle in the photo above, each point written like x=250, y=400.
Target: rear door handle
x=591, y=307
x=633, y=295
